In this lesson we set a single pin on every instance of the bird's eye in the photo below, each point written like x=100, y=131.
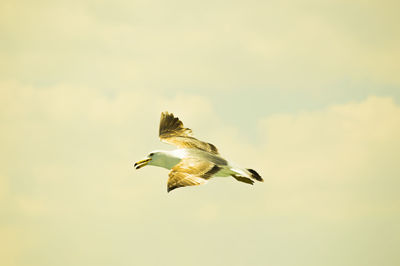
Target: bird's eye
x=151, y=154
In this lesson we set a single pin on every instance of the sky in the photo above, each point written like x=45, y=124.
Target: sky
x=306, y=92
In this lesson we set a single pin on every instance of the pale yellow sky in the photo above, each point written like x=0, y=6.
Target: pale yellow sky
x=305, y=92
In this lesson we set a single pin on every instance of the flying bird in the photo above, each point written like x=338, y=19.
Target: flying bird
x=195, y=161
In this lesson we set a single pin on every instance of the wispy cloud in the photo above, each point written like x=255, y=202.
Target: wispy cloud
x=291, y=46
x=82, y=87
x=67, y=159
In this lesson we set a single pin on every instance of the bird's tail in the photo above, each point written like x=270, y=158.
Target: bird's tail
x=253, y=174
x=243, y=179
x=246, y=175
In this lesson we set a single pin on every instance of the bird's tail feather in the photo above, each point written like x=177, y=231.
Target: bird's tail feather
x=255, y=175
x=243, y=179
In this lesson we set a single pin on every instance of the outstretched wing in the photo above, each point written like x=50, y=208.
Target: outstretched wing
x=172, y=132
x=191, y=172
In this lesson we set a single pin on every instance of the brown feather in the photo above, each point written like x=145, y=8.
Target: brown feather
x=173, y=132
x=191, y=172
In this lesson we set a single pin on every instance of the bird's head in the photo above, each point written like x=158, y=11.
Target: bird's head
x=153, y=158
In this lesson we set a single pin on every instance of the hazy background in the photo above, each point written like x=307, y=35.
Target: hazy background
x=306, y=92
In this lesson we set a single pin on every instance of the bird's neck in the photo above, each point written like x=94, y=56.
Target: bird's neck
x=168, y=159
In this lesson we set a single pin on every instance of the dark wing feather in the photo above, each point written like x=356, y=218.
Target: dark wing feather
x=172, y=132
x=191, y=172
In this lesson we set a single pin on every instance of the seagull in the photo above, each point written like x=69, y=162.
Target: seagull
x=195, y=161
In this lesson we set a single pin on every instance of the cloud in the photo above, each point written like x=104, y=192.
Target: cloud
x=67, y=157
x=337, y=162
x=81, y=92
x=10, y=245
x=286, y=46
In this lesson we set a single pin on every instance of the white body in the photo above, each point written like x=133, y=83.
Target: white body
x=168, y=159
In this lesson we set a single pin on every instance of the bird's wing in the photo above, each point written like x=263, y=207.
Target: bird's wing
x=172, y=132
x=191, y=172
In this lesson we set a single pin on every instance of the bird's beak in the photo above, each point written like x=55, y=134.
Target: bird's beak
x=142, y=163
